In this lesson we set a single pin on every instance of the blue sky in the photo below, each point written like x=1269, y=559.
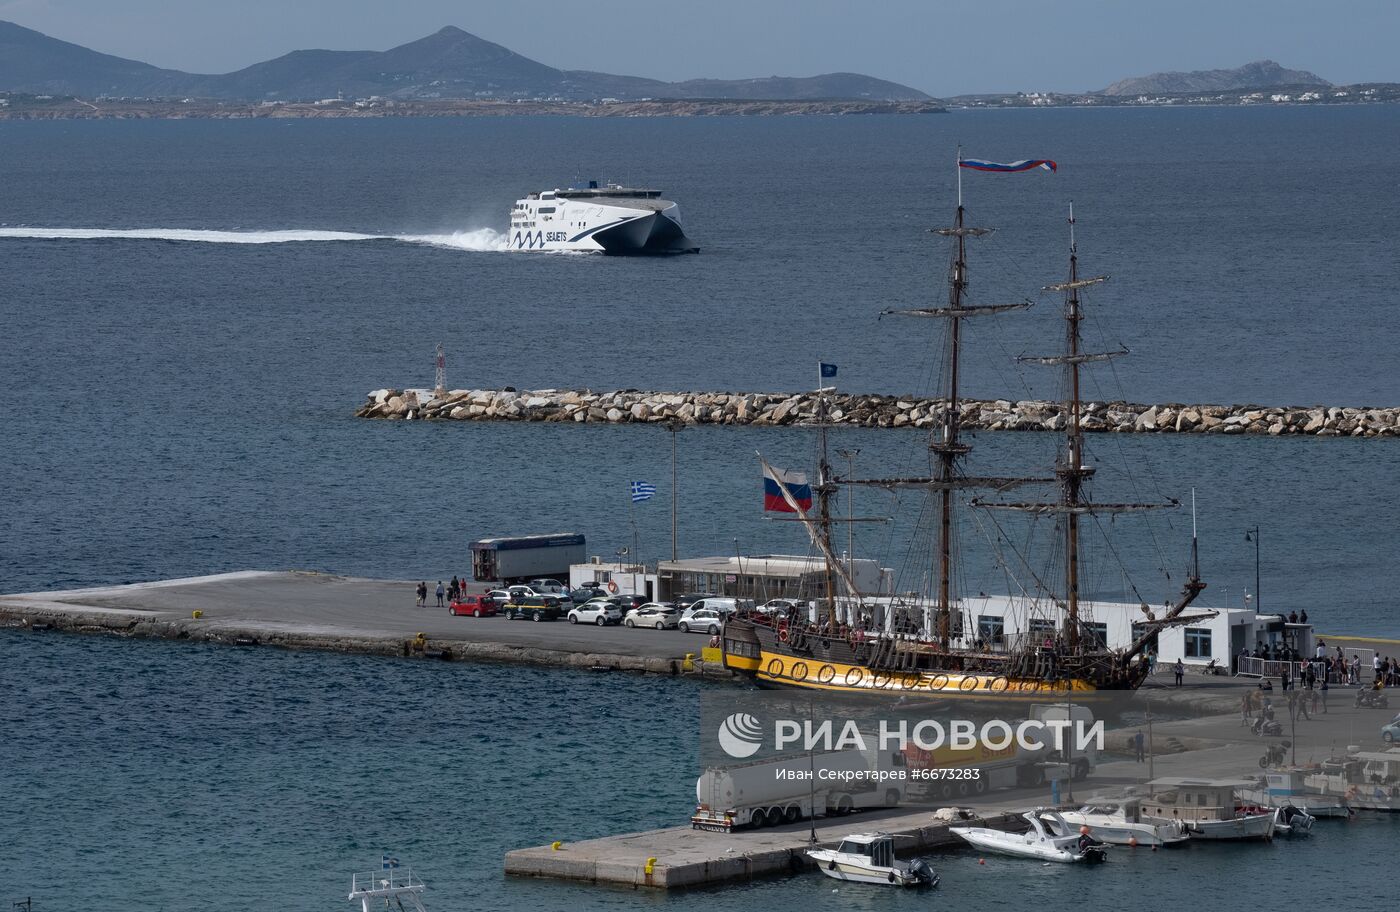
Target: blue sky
x=941, y=47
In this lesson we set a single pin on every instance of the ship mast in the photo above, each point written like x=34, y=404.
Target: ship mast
x=826, y=488
x=1071, y=472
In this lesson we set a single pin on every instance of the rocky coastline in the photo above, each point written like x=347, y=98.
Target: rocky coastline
x=631, y=406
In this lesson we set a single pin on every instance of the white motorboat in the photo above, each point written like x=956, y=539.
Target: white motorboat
x=611, y=219
x=1208, y=809
x=390, y=885
x=1121, y=822
x=1038, y=842
x=869, y=858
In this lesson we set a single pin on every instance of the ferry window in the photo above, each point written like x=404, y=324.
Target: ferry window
x=1197, y=643
x=546, y=209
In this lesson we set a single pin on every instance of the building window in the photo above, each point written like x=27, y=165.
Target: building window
x=1198, y=643
x=1140, y=630
x=990, y=627
x=1040, y=625
x=1096, y=633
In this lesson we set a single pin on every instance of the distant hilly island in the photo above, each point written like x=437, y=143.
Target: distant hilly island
x=1262, y=74
x=453, y=72
x=449, y=63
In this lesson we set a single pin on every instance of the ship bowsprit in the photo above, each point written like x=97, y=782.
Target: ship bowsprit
x=655, y=233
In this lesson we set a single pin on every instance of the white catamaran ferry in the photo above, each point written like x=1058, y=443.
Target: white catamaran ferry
x=611, y=219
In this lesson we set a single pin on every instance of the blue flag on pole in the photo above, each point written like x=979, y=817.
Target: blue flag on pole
x=828, y=370
x=642, y=491
x=390, y=862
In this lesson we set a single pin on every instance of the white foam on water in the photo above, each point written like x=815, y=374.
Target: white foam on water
x=481, y=239
x=187, y=234
x=478, y=240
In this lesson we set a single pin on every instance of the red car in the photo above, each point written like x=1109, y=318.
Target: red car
x=476, y=605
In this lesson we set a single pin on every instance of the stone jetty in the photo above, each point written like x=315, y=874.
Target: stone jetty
x=867, y=410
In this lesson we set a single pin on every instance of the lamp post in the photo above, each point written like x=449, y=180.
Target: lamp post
x=675, y=426
x=1253, y=535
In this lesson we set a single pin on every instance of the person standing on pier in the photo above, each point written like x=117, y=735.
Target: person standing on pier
x=1178, y=669
x=1322, y=692
x=440, y=592
x=1138, y=742
x=422, y=593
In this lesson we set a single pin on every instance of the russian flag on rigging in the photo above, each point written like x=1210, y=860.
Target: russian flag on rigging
x=976, y=164
x=774, y=480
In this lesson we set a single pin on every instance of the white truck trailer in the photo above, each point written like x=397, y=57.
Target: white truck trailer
x=525, y=557
x=796, y=786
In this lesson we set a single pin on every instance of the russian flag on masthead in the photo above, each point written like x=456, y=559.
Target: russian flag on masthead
x=976, y=164
x=797, y=487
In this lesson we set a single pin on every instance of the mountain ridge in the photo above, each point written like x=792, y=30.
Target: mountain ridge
x=449, y=63
x=1260, y=74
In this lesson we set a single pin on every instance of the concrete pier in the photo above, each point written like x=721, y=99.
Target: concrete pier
x=304, y=610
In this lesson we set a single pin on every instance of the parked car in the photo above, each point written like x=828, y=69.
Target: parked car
x=690, y=598
x=628, y=602
x=474, y=605
x=701, y=620
x=585, y=593
x=534, y=607
x=1390, y=733
x=720, y=604
x=499, y=596
x=778, y=607
x=549, y=587
x=653, y=614
x=596, y=611
x=520, y=592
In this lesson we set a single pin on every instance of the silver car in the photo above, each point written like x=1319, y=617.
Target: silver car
x=654, y=615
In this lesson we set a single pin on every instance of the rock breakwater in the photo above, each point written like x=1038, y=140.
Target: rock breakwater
x=630, y=406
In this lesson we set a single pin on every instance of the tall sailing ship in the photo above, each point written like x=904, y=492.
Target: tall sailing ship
x=916, y=644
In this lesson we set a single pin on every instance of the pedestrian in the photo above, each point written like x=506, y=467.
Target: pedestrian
x=1322, y=692
x=1138, y=742
x=1247, y=708
x=1152, y=661
x=440, y=593
x=1303, y=616
x=454, y=589
x=422, y=594
x=1179, y=670
x=1283, y=677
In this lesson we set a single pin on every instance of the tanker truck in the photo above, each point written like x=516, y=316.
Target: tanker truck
x=789, y=788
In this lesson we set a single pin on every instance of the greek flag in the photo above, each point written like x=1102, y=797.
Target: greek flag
x=642, y=491
x=390, y=862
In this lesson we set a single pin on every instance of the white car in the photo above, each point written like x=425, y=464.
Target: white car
x=549, y=587
x=499, y=596
x=778, y=607
x=653, y=614
x=520, y=592
x=701, y=620
x=596, y=611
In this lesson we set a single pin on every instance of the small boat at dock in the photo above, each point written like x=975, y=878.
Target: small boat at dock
x=869, y=858
x=1120, y=822
x=1278, y=788
x=1039, y=842
x=1208, y=808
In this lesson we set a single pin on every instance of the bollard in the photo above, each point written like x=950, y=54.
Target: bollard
x=196, y=614
x=556, y=845
x=651, y=864
x=1055, y=792
x=689, y=663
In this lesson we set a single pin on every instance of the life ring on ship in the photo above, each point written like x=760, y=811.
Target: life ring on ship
x=775, y=668
x=854, y=677
x=799, y=671
x=612, y=586
x=782, y=631
x=939, y=682
x=826, y=674
x=1005, y=685
x=968, y=679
